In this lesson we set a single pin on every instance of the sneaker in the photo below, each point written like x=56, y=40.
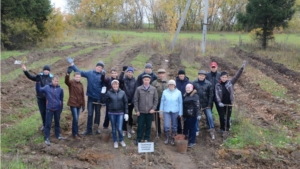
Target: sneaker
x=86, y=133
x=197, y=133
x=124, y=133
x=128, y=135
x=60, y=137
x=42, y=128
x=123, y=144
x=213, y=137
x=132, y=131
x=116, y=145
x=98, y=131
x=47, y=142
x=191, y=145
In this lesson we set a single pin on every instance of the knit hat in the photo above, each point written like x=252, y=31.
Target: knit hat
x=114, y=81
x=100, y=63
x=146, y=76
x=46, y=67
x=180, y=72
x=224, y=73
x=213, y=64
x=202, y=72
x=172, y=82
x=130, y=69
x=148, y=65
x=189, y=86
x=161, y=71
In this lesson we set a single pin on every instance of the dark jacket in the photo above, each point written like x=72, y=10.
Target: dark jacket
x=94, y=82
x=116, y=101
x=139, y=80
x=160, y=86
x=76, y=92
x=205, y=93
x=229, y=86
x=54, y=96
x=181, y=84
x=213, y=78
x=145, y=100
x=107, y=82
x=129, y=87
x=45, y=80
x=191, y=105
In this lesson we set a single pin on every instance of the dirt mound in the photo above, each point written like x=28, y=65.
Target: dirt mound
x=94, y=157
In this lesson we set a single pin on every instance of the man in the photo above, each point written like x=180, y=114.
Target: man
x=145, y=103
x=160, y=84
x=95, y=83
x=128, y=84
x=181, y=81
x=46, y=78
x=55, y=97
x=148, y=70
x=205, y=93
x=214, y=78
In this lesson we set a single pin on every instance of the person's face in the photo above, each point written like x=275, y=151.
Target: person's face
x=46, y=72
x=77, y=78
x=161, y=76
x=115, y=86
x=201, y=77
x=188, y=89
x=98, y=69
x=224, y=78
x=171, y=87
x=148, y=70
x=129, y=74
x=214, y=68
x=181, y=76
x=114, y=74
x=55, y=82
x=146, y=81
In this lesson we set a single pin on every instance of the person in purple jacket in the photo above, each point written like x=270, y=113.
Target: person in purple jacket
x=54, y=105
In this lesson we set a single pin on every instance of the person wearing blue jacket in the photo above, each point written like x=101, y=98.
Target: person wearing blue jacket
x=171, y=109
x=54, y=105
x=95, y=82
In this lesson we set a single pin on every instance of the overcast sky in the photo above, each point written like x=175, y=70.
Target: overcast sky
x=62, y=4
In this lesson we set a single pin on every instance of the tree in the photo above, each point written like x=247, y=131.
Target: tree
x=267, y=15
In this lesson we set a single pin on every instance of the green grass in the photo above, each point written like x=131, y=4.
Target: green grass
x=15, y=73
x=139, y=61
x=19, y=114
x=16, y=164
x=270, y=86
x=85, y=51
x=112, y=55
x=14, y=53
x=66, y=47
x=191, y=69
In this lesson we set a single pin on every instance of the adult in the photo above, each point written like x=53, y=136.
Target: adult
x=205, y=93
x=225, y=97
x=117, y=110
x=191, y=113
x=45, y=79
x=145, y=103
x=160, y=84
x=171, y=106
x=181, y=81
x=55, y=97
x=148, y=70
x=95, y=83
x=76, y=99
x=214, y=78
x=128, y=84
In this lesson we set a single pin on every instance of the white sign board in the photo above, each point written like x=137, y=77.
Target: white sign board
x=147, y=147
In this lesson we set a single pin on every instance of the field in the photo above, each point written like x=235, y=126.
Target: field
x=265, y=132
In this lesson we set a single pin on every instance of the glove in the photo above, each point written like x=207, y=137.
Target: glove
x=199, y=118
x=70, y=60
x=38, y=78
x=221, y=105
x=82, y=109
x=244, y=64
x=126, y=117
x=125, y=68
x=70, y=69
x=103, y=72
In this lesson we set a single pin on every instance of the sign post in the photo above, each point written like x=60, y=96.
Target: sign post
x=147, y=147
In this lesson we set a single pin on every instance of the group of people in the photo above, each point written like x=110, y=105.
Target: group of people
x=151, y=96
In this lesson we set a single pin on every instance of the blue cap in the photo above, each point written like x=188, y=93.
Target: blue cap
x=130, y=69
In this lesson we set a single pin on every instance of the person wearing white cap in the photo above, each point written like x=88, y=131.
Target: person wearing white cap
x=116, y=102
x=171, y=108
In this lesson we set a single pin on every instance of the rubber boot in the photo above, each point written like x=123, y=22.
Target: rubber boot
x=167, y=137
x=172, y=138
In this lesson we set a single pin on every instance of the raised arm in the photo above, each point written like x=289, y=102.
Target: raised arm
x=238, y=73
x=83, y=73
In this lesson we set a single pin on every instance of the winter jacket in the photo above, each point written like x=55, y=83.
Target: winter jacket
x=229, y=86
x=139, y=81
x=205, y=93
x=76, y=92
x=160, y=86
x=116, y=101
x=54, y=96
x=45, y=80
x=213, y=78
x=191, y=105
x=181, y=84
x=171, y=101
x=95, y=82
x=145, y=99
x=129, y=87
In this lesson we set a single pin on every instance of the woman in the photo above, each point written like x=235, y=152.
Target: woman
x=171, y=107
x=191, y=113
x=76, y=99
x=225, y=97
x=116, y=103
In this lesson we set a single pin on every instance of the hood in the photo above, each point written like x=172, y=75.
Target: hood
x=50, y=75
x=192, y=93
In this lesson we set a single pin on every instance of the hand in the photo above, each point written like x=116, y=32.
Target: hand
x=137, y=113
x=103, y=72
x=82, y=109
x=126, y=117
x=244, y=64
x=38, y=78
x=70, y=60
x=152, y=111
x=70, y=69
x=161, y=116
x=199, y=118
x=221, y=105
x=24, y=67
x=125, y=68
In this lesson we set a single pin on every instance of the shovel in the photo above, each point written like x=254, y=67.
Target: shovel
x=156, y=124
x=225, y=133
